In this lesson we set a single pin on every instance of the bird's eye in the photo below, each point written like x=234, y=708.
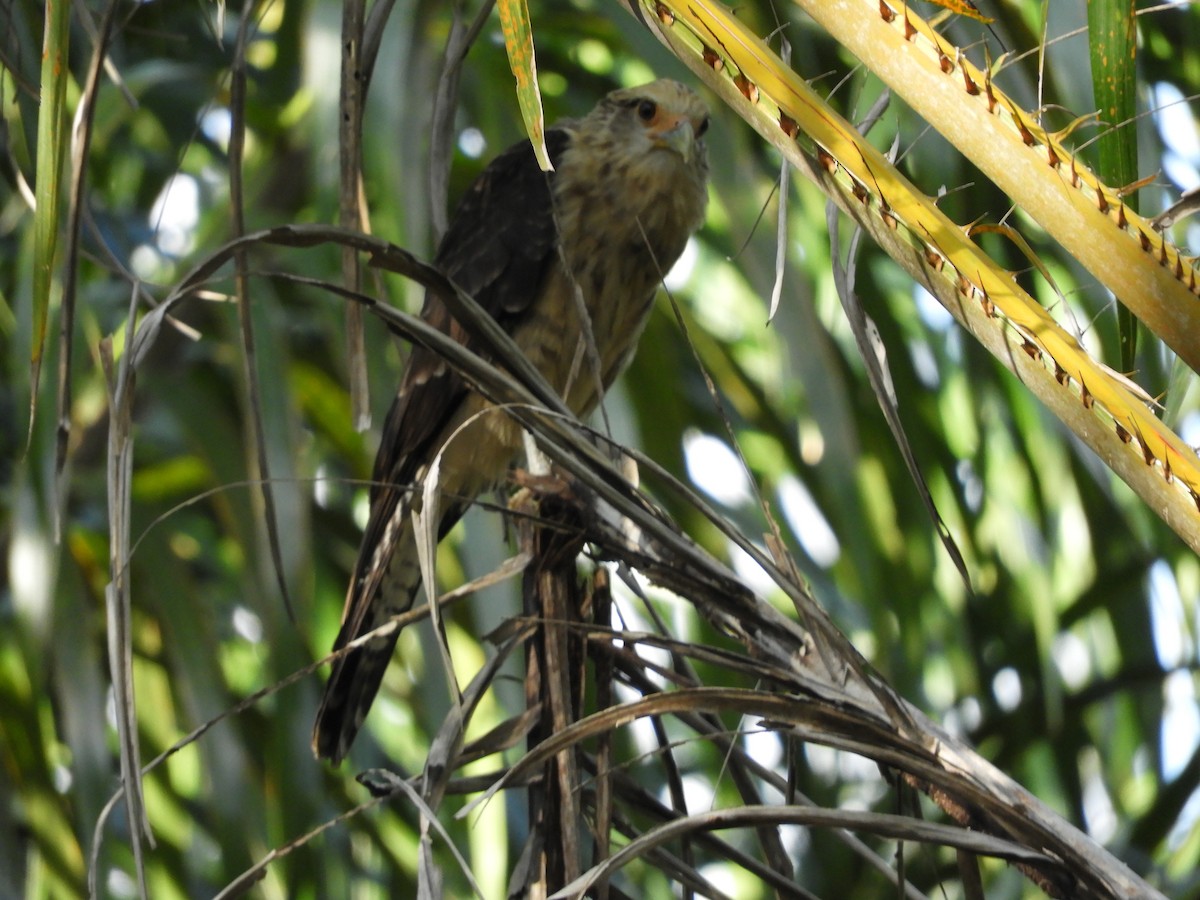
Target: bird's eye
x=646, y=110
x=703, y=129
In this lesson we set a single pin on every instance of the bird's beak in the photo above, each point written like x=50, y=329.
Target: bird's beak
x=677, y=135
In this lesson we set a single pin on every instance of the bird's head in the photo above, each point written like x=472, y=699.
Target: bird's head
x=641, y=153
x=639, y=156
x=663, y=115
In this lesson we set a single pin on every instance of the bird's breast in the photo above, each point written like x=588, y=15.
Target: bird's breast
x=621, y=229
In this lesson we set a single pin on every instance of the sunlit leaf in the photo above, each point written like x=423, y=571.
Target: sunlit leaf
x=518, y=41
x=1112, y=42
x=51, y=148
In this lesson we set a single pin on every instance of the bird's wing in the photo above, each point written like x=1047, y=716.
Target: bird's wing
x=501, y=241
x=499, y=245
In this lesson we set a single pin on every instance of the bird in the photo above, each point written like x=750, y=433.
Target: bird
x=627, y=191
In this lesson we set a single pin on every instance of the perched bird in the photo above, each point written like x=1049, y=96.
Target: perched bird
x=629, y=187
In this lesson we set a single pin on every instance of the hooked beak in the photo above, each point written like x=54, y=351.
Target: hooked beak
x=678, y=136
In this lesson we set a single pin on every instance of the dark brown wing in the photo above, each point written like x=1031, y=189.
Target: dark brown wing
x=499, y=245
x=501, y=241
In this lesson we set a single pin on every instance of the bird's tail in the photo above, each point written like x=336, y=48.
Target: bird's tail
x=356, y=677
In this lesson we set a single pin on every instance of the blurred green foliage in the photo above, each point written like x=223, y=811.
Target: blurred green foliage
x=1072, y=667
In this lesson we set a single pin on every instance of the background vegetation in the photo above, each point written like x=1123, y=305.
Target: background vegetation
x=1072, y=666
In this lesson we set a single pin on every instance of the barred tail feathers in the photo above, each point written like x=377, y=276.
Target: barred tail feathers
x=356, y=677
